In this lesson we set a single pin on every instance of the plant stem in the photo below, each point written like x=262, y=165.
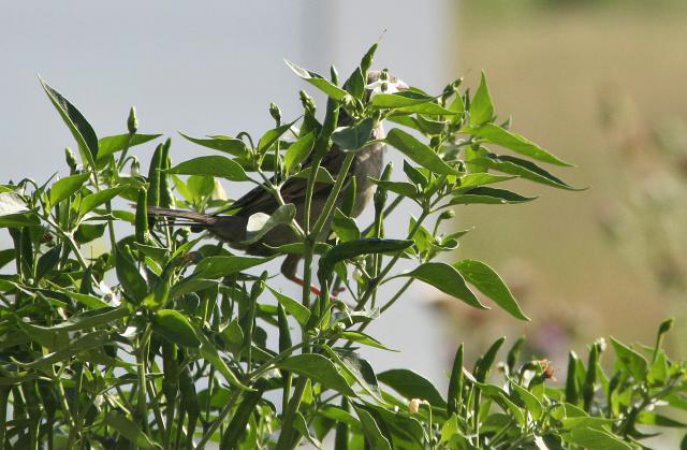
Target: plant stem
x=220, y=419
x=141, y=362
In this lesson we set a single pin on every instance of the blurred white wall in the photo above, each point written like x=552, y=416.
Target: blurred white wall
x=208, y=67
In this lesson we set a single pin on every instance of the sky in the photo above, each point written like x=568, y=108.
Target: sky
x=209, y=67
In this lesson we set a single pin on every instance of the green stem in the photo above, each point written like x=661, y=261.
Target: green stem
x=287, y=439
x=141, y=362
x=220, y=419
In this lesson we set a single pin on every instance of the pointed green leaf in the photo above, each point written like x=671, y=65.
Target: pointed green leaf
x=294, y=308
x=354, y=137
x=632, y=361
x=65, y=187
x=488, y=196
x=487, y=281
x=447, y=279
x=216, y=166
x=222, y=266
x=411, y=385
x=260, y=223
x=319, y=369
x=480, y=179
x=318, y=81
x=419, y=152
x=96, y=199
x=11, y=204
x=298, y=151
x=227, y=144
x=78, y=125
x=130, y=430
x=272, y=136
x=481, y=107
x=523, y=168
x=112, y=144
x=175, y=327
x=516, y=142
x=373, y=435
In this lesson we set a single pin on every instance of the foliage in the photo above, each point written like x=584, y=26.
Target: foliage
x=162, y=339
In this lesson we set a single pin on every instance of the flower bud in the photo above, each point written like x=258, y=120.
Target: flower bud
x=308, y=102
x=414, y=405
x=71, y=159
x=448, y=214
x=132, y=121
x=135, y=167
x=275, y=112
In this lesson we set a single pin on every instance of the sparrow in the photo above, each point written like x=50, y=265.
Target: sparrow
x=232, y=228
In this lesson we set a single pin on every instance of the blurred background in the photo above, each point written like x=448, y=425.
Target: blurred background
x=599, y=83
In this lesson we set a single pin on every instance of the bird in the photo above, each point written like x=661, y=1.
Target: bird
x=232, y=228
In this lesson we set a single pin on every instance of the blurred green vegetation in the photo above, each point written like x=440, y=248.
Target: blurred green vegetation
x=553, y=68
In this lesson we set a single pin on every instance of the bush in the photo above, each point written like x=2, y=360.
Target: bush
x=162, y=339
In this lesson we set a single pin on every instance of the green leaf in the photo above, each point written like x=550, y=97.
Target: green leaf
x=86, y=233
x=75, y=347
x=345, y=227
x=130, y=430
x=447, y=279
x=490, y=284
x=133, y=283
x=488, y=196
x=481, y=108
x=233, y=334
x=398, y=187
x=592, y=439
x=522, y=168
x=216, y=166
x=480, y=179
x=210, y=352
x=260, y=223
x=629, y=359
x=516, y=142
x=364, y=339
x=272, y=136
x=411, y=385
x=96, y=199
x=48, y=261
x=340, y=415
x=373, y=434
x=319, y=369
x=410, y=101
x=456, y=382
x=6, y=256
x=298, y=151
x=11, y=204
x=19, y=220
x=354, y=137
x=78, y=125
x=65, y=187
x=484, y=363
x=226, y=144
x=419, y=152
x=318, y=81
x=175, y=327
x=88, y=319
x=88, y=301
x=221, y=266
x=112, y=144
x=190, y=284
x=293, y=307
x=352, y=249
x=529, y=400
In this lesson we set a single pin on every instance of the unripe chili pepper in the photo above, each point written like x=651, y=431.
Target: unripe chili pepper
x=167, y=199
x=142, y=217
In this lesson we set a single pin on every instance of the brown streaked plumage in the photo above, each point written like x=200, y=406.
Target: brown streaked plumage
x=232, y=228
